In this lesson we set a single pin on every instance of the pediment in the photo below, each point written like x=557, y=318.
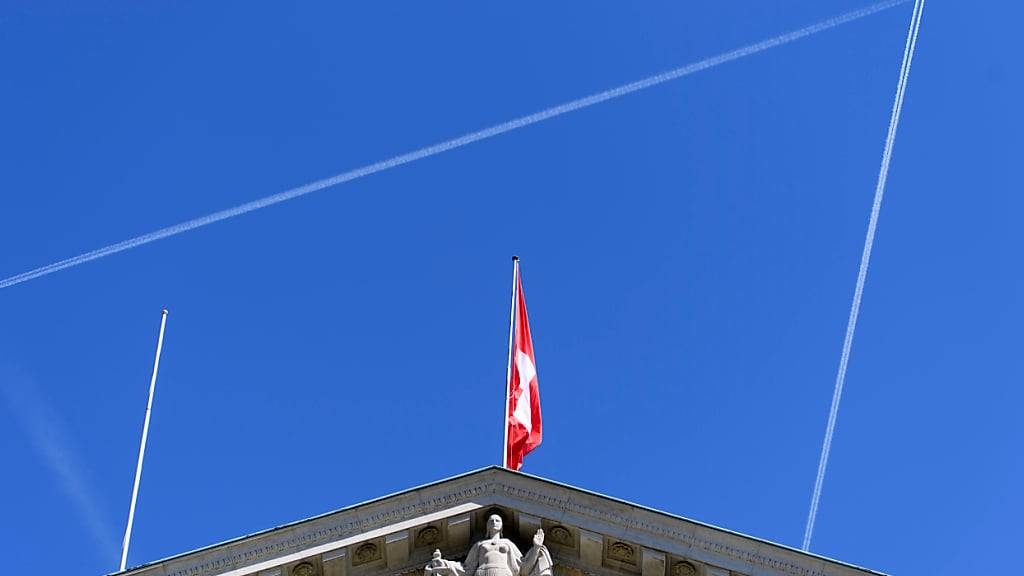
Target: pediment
x=587, y=534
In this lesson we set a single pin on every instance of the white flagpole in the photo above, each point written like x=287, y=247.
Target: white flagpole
x=508, y=371
x=142, y=445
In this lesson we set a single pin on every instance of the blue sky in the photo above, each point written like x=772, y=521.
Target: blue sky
x=688, y=255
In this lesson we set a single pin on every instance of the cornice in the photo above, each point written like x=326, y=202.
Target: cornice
x=663, y=530
x=331, y=532
x=488, y=487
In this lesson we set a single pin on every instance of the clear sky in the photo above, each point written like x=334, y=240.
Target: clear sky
x=688, y=253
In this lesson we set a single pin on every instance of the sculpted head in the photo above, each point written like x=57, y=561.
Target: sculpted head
x=493, y=525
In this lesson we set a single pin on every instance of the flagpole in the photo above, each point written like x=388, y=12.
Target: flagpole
x=142, y=445
x=508, y=370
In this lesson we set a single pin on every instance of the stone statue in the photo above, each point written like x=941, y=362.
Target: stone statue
x=496, y=556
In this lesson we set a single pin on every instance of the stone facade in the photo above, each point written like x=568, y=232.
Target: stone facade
x=587, y=534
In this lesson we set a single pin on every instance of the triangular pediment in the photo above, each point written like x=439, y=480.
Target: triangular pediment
x=587, y=534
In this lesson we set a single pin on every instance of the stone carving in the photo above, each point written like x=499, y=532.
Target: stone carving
x=560, y=535
x=428, y=536
x=240, y=555
x=304, y=569
x=244, y=556
x=684, y=568
x=622, y=552
x=757, y=557
x=565, y=570
x=496, y=556
x=366, y=552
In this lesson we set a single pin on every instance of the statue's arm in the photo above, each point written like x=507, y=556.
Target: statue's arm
x=515, y=558
x=537, y=561
x=528, y=561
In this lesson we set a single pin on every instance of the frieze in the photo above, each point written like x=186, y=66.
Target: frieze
x=428, y=536
x=562, y=536
x=684, y=568
x=336, y=532
x=348, y=529
x=366, y=552
x=751, y=557
x=622, y=552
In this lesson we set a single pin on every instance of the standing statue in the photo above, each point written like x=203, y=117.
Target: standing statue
x=496, y=556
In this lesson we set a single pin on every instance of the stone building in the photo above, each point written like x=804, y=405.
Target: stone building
x=432, y=530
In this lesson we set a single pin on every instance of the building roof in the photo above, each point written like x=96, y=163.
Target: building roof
x=594, y=528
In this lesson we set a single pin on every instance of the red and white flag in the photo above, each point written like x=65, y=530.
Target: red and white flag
x=523, y=427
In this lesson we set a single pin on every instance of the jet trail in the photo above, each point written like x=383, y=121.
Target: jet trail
x=48, y=437
x=865, y=259
x=451, y=144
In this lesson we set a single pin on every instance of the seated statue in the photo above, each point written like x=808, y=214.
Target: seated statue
x=496, y=556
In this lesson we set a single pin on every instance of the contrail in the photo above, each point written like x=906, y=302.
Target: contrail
x=865, y=258
x=50, y=440
x=451, y=144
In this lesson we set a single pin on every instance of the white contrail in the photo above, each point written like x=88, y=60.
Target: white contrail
x=865, y=258
x=48, y=437
x=451, y=144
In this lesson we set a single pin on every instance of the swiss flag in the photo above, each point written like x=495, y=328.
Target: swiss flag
x=523, y=414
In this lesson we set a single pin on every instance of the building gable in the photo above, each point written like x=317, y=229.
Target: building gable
x=587, y=534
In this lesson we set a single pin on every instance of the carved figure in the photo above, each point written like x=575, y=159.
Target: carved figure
x=496, y=556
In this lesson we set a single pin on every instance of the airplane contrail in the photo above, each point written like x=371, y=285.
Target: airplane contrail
x=450, y=144
x=48, y=437
x=865, y=259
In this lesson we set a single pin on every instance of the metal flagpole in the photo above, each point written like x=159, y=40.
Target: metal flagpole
x=142, y=445
x=508, y=371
